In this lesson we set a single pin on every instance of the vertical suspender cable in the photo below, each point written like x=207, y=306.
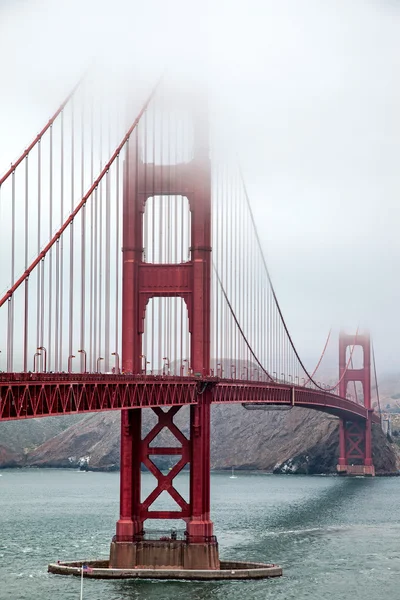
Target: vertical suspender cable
x=93, y=225
x=107, y=276
x=100, y=323
x=95, y=273
x=26, y=291
x=83, y=246
x=61, y=250
x=39, y=267
x=107, y=265
x=117, y=251
x=50, y=270
x=10, y=327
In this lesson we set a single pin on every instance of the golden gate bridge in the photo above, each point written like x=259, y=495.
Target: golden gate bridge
x=133, y=278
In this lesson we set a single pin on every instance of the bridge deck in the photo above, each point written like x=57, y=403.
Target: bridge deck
x=32, y=395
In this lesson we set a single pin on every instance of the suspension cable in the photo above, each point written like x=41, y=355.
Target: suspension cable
x=85, y=198
x=239, y=327
x=42, y=132
x=321, y=357
x=310, y=378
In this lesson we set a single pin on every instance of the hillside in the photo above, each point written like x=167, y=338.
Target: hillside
x=298, y=440
x=17, y=439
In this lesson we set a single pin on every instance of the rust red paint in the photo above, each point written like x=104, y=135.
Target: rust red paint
x=25, y=396
x=355, y=446
x=192, y=282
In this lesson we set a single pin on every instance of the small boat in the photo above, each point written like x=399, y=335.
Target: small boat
x=233, y=476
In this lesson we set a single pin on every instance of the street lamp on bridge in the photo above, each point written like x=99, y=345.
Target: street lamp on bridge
x=70, y=357
x=166, y=364
x=253, y=374
x=44, y=357
x=144, y=360
x=83, y=352
x=34, y=360
x=233, y=371
x=98, y=363
x=116, y=361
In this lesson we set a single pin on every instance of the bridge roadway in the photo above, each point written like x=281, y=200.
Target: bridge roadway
x=32, y=395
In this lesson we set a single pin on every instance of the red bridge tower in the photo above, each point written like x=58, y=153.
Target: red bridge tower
x=355, y=449
x=141, y=282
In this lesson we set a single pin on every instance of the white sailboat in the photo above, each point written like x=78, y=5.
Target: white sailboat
x=233, y=476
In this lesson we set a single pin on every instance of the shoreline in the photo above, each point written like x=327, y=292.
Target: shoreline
x=215, y=471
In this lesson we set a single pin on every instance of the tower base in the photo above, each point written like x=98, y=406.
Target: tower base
x=164, y=554
x=100, y=569
x=354, y=470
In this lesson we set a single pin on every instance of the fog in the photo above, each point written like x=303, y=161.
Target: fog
x=308, y=95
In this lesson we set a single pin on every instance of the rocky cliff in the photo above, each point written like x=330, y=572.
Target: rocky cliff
x=296, y=440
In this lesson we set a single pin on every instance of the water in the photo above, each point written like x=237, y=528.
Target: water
x=335, y=538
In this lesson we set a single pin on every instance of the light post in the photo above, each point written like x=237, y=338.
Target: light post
x=186, y=360
x=70, y=357
x=284, y=380
x=116, y=362
x=166, y=363
x=247, y=372
x=291, y=379
x=304, y=381
x=34, y=360
x=97, y=363
x=145, y=363
x=220, y=368
x=296, y=377
x=84, y=359
x=44, y=357
x=274, y=373
x=233, y=371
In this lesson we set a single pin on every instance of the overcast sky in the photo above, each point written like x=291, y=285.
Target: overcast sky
x=309, y=94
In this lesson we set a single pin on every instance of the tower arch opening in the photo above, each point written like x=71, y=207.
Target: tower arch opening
x=167, y=230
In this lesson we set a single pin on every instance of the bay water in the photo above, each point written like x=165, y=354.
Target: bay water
x=335, y=538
